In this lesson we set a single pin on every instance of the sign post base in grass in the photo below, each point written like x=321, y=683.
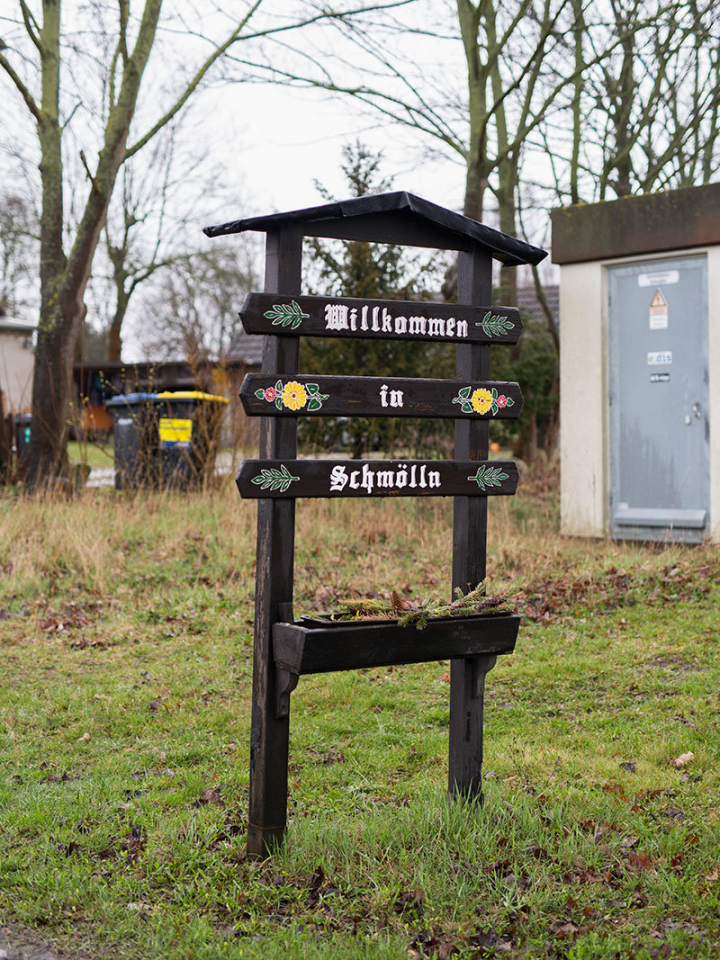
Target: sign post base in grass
x=285, y=649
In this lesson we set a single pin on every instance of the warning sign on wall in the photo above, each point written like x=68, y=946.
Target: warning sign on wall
x=658, y=311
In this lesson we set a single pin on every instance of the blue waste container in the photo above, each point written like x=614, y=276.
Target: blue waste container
x=135, y=439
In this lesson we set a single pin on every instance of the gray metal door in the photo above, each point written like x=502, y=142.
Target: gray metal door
x=659, y=427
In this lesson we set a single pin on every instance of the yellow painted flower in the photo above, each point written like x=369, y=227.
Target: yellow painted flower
x=481, y=400
x=294, y=395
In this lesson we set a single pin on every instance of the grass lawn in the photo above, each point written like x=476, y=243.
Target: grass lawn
x=94, y=454
x=125, y=664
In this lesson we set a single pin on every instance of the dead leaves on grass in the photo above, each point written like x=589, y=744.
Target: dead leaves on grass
x=682, y=760
x=211, y=795
x=615, y=588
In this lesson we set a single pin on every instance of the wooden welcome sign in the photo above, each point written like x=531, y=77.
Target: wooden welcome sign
x=379, y=319
x=285, y=648
x=376, y=478
x=378, y=397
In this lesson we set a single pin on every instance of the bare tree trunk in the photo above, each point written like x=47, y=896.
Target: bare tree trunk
x=625, y=100
x=526, y=442
x=46, y=453
x=477, y=173
x=579, y=30
x=63, y=280
x=122, y=301
x=507, y=210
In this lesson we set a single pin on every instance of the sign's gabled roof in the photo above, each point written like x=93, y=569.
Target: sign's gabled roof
x=392, y=218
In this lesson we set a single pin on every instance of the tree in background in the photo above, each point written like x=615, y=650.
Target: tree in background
x=545, y=102
x=152, y=225
x=644, y=115
x=194, y=304
x=372, y=271
x=18, y=251
x=146, y=228
x=18, y=242
x=83, y=85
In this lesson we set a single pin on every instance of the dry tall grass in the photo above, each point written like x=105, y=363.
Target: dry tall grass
x=343, y=547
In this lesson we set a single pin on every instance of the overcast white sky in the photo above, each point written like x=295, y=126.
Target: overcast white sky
x=268, y=144
x=276, y=150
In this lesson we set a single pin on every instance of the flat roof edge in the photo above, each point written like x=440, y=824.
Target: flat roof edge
x=648, y=223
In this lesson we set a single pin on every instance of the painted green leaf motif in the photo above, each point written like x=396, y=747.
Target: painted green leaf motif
x=315, y=398
x=489, y=477
x=286, y=314
x=278, y=402
x=495, y=326
x=279, y=386
x=260, y=394
x=274, y=479
x=509, y=402
x=463, y=399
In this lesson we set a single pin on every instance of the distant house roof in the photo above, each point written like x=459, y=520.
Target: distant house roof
x=528, y=303
x=396, y=217
x=14, y=325
x=246, y=349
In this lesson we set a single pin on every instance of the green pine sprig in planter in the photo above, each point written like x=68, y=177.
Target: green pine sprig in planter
x=419, y=614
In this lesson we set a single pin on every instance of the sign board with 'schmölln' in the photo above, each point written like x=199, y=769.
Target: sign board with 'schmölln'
x=379, y=478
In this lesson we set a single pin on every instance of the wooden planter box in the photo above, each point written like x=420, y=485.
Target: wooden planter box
x=311, y=645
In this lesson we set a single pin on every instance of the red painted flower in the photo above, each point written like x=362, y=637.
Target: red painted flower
x=502, y=401
x=270, y=394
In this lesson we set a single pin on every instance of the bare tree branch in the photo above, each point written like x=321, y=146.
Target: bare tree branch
x=24, y=92
x=237, y=36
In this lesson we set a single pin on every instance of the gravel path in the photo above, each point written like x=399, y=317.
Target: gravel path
x=105, y=477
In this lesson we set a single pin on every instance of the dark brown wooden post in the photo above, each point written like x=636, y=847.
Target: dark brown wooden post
x=467, y=676
x=269, y=734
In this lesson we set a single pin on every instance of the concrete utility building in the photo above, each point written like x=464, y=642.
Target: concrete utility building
x=17, y=361
x=640, y=366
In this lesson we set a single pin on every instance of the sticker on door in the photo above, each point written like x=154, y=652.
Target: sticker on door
x=658, y=311
x=662, y=276
x=658, y=358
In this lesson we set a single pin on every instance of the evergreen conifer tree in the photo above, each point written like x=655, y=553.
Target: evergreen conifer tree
x=374, y=271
